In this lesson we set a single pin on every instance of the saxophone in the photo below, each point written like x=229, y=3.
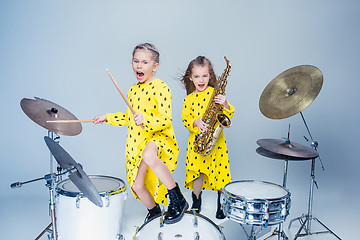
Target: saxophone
x=214, y=117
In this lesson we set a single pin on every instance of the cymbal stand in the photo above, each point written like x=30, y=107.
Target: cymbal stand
x=279, y=230
x=50, y=182
x=50, y=185
x=305, y=219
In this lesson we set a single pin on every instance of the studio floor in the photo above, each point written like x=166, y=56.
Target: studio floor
x=26, y=217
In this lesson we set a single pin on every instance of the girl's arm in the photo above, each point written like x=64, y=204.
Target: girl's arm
x=187, y=117
x=117, y=119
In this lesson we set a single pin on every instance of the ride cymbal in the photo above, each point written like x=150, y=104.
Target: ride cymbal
x=287, y=148
x=41, y=110
x=78, y=177
x=291, y=92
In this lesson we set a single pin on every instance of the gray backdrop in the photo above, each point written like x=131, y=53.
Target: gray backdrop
x=59, y=51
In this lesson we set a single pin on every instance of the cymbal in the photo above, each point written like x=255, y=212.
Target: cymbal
x=291, y=92
x=291, y=149
x=269, y=154
x=41, y=110
x=78, y=177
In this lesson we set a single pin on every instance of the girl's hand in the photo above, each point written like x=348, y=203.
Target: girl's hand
x=138, y=117
x=201, y=125
x=221, y=99
x=100, y=119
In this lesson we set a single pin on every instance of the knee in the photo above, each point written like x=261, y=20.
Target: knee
x=149, y=158
x=137, y=187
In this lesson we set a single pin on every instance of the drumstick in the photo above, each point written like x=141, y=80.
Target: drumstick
x=69, y=121
x=123, y=96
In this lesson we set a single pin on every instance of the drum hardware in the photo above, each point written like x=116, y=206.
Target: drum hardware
x=305, y=219
x=286, y=95
x=50, y=181
x=184, y=229
x=256, y=203
x=195, y=220
x=78, y=218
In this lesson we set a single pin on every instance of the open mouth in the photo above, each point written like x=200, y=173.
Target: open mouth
x=139, y=74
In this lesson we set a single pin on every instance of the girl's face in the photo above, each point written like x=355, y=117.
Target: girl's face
x=200, y=77
x=144, y=65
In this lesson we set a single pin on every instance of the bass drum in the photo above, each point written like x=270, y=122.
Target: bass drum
x=78, y=218
x=255, y=202
x=190, y=227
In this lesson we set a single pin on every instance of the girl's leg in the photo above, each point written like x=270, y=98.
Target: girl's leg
x=140, y=189
x=197, y=185
x=196, y=194
x=157, y=165
x=178, y=204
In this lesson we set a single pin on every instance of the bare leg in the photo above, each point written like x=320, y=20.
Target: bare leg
x=157, y=165
x=140, y=189
x=197, y=185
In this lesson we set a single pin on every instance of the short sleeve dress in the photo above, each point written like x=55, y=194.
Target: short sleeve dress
x=153, y=100
x=215, y=166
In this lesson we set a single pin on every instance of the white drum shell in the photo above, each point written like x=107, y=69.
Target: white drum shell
x=184, y=229
x=78, y=218
x=255, y=202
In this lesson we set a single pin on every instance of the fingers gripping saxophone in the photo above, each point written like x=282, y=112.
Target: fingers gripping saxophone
x=214, y=117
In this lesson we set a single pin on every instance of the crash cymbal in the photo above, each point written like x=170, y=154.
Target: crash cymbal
x=78, y=177
x=269, y=154
x=287, y=148
x=41, y=110
x=291, y=92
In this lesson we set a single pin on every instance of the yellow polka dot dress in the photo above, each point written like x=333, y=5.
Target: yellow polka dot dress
x=215, y=166
x=153, y=100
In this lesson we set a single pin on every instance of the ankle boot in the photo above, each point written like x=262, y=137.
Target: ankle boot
x=196, y=202
x=153, y=213
x=219, y=212
x=177, y=206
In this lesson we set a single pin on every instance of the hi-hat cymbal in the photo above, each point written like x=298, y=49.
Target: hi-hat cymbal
x=291, y=92
x=78, y=177
x=291, y=149
x=269, y=154
x=41, y=110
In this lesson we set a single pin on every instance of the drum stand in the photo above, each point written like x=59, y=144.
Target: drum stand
x=305, y=219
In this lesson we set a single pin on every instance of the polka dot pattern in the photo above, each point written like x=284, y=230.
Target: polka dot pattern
x=153, y=100
x=215, y=166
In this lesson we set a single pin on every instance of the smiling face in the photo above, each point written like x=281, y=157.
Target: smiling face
x=200, y=77
x=144, y=65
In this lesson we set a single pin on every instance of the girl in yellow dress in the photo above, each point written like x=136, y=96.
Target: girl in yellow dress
x=151, y=149
x=211, y=172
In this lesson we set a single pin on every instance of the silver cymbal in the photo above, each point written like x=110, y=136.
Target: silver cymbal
x=78, y=177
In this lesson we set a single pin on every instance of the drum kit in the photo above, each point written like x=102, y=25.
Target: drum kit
x=81, y=206
x=97, y=202
x=259, y=203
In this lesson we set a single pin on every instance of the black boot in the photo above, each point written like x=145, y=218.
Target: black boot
x=153, y=213
x=196, y=202
x=219, y=212
x=177, y=206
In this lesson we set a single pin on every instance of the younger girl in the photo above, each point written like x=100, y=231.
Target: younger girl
x=213, y=171
x=151, y=150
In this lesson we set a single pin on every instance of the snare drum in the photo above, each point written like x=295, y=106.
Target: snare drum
x=255, y=202
x=190, y=227
x=78, y=218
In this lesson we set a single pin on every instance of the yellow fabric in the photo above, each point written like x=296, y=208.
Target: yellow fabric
x=215, y=166
x=153, y=100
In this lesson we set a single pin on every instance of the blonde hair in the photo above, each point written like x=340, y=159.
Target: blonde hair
x=150, y=47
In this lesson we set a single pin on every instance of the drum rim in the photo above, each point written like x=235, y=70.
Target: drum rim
x=191, y=213
x=102, y=193
x=287, y=195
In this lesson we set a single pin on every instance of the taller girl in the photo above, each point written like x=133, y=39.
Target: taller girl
x=151, y=149
x=210, y=172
